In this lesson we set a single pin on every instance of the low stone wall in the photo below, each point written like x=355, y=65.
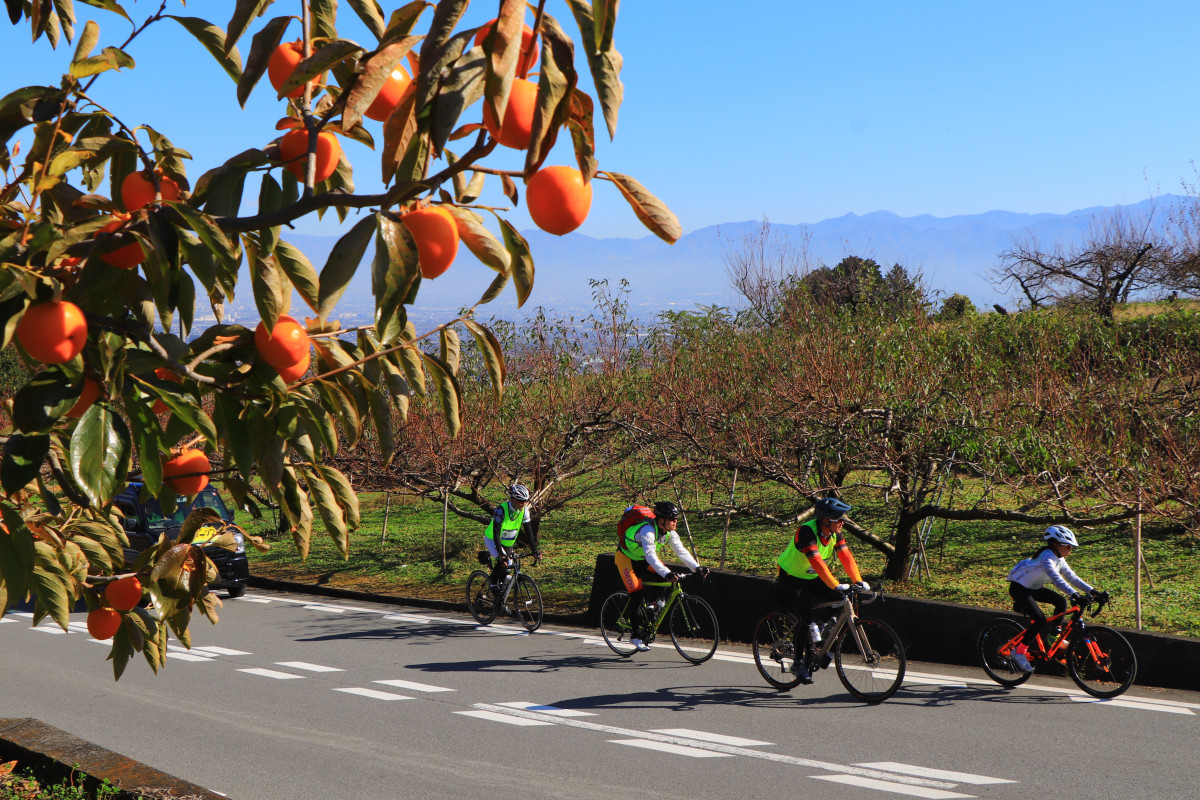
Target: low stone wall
x=55, y=755
x=931, y=630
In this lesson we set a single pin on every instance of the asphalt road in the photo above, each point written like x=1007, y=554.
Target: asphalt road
x=293, y=696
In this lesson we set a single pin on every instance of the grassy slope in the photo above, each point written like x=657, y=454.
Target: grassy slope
x=968, y=561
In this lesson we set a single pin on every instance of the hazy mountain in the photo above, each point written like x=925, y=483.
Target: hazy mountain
x=954, y=253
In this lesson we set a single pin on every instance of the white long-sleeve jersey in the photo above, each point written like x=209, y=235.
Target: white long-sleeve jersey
x=1046, y=567
x=645, y=537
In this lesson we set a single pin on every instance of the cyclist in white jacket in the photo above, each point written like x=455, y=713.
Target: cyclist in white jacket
x=1027, y=586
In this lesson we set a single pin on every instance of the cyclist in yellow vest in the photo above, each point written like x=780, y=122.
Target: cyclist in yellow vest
x=804, y=575
x=639, y=533
x=509, y=521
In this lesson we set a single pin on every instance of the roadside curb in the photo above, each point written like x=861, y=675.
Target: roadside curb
x=55, y=755
x=578, y=620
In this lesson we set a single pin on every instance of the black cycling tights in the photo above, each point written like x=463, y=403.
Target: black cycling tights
x=1025, y=601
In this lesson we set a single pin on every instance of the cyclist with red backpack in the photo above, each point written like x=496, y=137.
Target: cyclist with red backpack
x=639, y=533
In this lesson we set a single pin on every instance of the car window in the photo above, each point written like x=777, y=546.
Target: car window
x=156, y=520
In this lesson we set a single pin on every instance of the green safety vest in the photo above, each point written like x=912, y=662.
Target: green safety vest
x=631, y=522
x=510, y=526
x=796, y=564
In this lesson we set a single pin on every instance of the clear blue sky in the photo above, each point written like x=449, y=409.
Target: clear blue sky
x=799, y=111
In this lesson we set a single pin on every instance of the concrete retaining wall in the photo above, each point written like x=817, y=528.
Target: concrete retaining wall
x=931, y=630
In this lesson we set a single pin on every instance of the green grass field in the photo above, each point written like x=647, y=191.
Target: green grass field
x=968, y=561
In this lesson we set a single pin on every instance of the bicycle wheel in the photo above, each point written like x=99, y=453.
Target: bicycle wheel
x=1101, y=661
x=995, y=642
x=775, y=650
x=694, y=629
x=527, y=602
x=480, y=601
x=874, y=671
x=615, y=625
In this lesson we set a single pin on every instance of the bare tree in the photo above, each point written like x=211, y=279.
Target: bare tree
x=762, y=265
x=1120, y=256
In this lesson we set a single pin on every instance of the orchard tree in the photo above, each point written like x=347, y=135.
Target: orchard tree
x=106, y=244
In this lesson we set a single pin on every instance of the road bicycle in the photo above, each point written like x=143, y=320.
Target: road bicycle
x=690, y=619
x=1100, y=660
x=519, y=595
x=868, y=655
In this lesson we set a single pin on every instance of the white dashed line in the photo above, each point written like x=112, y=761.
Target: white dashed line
x=888, y=786
x=220, y=651
x=50, y=629
x=507, y=719
x=373, y=693
x=270, y=673
x=667, y=747
x=304, y=665
x=181, y=656
x=328, y=609
x=704, y=736
x=552, y=710
x=1143, y=705
x=413, y=686
x=941, y=774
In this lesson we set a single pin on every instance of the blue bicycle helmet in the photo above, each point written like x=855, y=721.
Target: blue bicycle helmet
x=830, y=508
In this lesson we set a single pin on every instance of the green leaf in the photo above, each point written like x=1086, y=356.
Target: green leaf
x=605, y=65
x=494, y=289
x=109, y=58
x=343, y=260
x=371, y=14
x=395, y=274
x=330, y=53
x=451, y=348
x=16, y=554
x=605, y=15
x=213, y=39
x=300, y=272
x=376, y=70
x=330, y=511
x=235, y=433
x=346, y=495
x=459, y=89
x=493, y=355
x=39, y=404
x=268, y=293
x=652, y=212
x=555, y=87
x=23, y=457
x=52, y=583
x=107, y=5
x=448, y=392
x=243, y=14
x=99, y=453
x=522, y=261
x=87, y=40
x=381, y=415
x=210, y=233
x=261, y=47
x=410, y=362
x=404, y=19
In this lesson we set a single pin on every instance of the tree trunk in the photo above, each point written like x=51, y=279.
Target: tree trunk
x=896, y=568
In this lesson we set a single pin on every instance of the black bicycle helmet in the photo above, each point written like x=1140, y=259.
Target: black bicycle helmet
x=665, y=509
x=830, y=508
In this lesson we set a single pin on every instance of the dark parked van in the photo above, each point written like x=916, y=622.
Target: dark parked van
x=145, y=522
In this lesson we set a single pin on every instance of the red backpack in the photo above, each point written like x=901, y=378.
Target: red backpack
x=635, y=517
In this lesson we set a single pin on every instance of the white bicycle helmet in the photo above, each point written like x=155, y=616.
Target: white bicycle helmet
x=1061, y=534
x=518, y=492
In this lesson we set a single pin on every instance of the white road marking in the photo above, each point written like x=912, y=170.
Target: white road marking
x=414, y=686
x=499, y=712
x=186, y=656
x=943, y=774
x=5, y=619
x=736, y=741
x=220, y=651
x=304, y=665
x=1144, y=705
x=502, y=629
x=888, y=786
x=373, y=693
x=505, y=718
x=270, y=673
x=408, y=618
x=552, y=710
x=49, y=629
x=917, y=680
x=247, y=599
x=328, y=609
x=666, y=747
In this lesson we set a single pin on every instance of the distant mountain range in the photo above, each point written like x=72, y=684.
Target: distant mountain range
x=955, y=254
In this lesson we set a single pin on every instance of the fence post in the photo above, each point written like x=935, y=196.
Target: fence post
x=725, y=535
x=387, y=507
x=1137, y=567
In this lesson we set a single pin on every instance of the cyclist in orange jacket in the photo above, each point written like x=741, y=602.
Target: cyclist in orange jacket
x=804, y=575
